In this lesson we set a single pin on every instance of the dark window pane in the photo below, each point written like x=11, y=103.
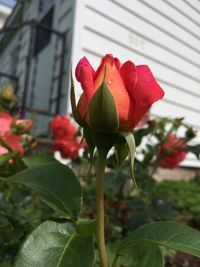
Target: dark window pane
x=44, y=5
x=14, y=61
x=43, y=36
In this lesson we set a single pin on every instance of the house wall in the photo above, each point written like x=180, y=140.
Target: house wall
x=4, y=12
x=47, y=83
x=163, y=34
x=44, y=73
x=19, y=42
x=64, y=22
x=6, y=59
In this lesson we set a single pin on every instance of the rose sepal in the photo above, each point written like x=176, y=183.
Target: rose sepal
x=102, y=111
x=129, y=137
x=75, y=113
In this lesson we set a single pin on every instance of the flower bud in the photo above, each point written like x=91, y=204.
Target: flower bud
x=21, y=126
x=7, y=93
x=115, y=97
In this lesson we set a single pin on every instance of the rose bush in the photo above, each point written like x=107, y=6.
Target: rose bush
x=15, y=136
x=170, y=154
x=14, y=142
x=15, y=139
x=6, y=121
x=68, y=149
x=132, y=87
x=63, y=128
x=114, y=100
x=11, y=140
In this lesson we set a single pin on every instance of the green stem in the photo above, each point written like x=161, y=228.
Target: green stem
x=114, y=264
x=100, y=209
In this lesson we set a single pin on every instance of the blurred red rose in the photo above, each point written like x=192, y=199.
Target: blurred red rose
x=170, y=154
x=5, y=123
x=133, y=88
x=63, y=128
x=68, y=149
x=14, y=142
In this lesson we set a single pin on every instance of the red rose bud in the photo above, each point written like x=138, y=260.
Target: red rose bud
x=170, y=154
x=115, y=97
x=63, y=128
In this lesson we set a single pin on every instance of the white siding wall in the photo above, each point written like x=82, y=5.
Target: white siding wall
x=64, y=19
x=164, y=34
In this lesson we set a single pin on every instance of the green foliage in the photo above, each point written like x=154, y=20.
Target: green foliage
x=56, y=184
x=67, y=239
x=86, y=227
x=167, y=234
x=90, y=142
x=184, y=196
x=73, y=105
x=70, y=242
x=194, y=149
x=129, y=137
x=34, y=161
x=20, y=212
x=56, y=244
x=11, y=163
x=143, y=255
x=121, y=150
x=141, y=248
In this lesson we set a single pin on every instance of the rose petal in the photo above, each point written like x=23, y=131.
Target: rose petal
x=146, y=92
x=84, y=74
x=5, y=123
x=117, y=63
x=14, y=142
x=68, y=149
x=83, y=107
x=3, y=150
x=63, y=128
x=128, y=73
x=170, y=154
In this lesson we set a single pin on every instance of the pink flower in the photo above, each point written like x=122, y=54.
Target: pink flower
x=14, y=142
x=5, y=123
x=3, y=150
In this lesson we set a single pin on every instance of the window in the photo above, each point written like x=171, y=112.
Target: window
x=44, y=6
x=43, y=37
x=14, y=61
